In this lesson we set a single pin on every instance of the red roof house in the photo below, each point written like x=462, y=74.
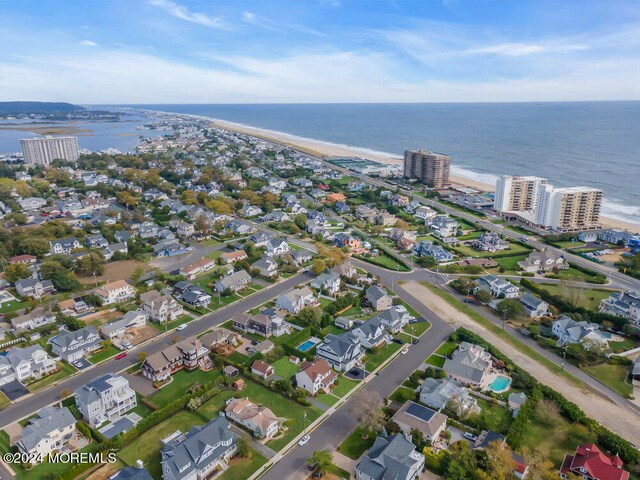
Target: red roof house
x=590, y=463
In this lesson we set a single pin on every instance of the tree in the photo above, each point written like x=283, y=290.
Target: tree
x=34, y=246
x=368, y=411
x=459, y=462
x=16, y=271
x=510, y=307
x=318, y=266
x=243, y=449
x=310, y=316
x=427, y=261
x=92, y=264
x=539, y=467
x=465, y=285
x=126, y=199
x=65, y=393
x=402, y=225
x=322, y=459
x=142, y=356
x=501, y=462
x=483, y=296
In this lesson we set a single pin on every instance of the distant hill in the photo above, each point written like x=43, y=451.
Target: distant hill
x=9, y=108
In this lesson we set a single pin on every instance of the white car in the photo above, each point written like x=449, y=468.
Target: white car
x=181, y=327
x=469, y=436
x=404, y=351
x=304, y=440
x=78, y=364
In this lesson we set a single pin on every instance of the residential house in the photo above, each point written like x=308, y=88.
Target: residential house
x=469, y=364
x=395, y=318
x=220, y=337
x=37, y=317
x=195, y=296
x=391, y=456
x=446, y=392
x=169, y=248
x=188, y=354
x=48, y=431
x=378, y=298
x=385, y=219
x=398, y=200
x=444, y=226
x=250, y=211
x=24, y=363
x=363, y=212
x=25, y=259
x=300, y=257
x=148, y=230
x=515, y=401
x=329, y=282
x=344, y=323
x=623, y=304
x=568, y=331
x=185, y=229
x=64, y=245
x=118, y=328
x=260, y=239
x=590, y=463
x=201, y=452
x=235, y=256
x=425, y=248
x=371, y=333
x=498, y=287
x=160, y=308
x=110, y=250
x=115, y=292
x=267, y=266
x=234, y=282
x=345, y=270
x=345, y=240
x=259, y=420
x=635, y=372
x=203, y=265
x=105, y=398
x=262, y=324
x=31, y=203
x=543, y=261
x=425, y=213
x=296, y=300
x=413, y=416
x=262, y=369
x=131, y=473
x=614, y=236
x=96, y=241
x=341, y=208
x=490, y=242
x=73, y=345
x=588, y=237
x=276, y=247
x=336, y=197
x=342, y=352
x=533, y=306
x=315, y=376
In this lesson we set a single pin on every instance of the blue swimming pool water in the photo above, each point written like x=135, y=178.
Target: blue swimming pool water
x=306, y=345
x=500, y=383
x=606, y=335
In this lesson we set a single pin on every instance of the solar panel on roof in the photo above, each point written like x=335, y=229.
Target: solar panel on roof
x=418, y=411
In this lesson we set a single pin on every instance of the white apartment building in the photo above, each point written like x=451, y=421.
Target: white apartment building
x=115, y=292
x=44, y=150
x=517, y=194
x=105, y=398
x=569, y=209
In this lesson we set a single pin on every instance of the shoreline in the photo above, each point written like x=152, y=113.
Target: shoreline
x=321, y=148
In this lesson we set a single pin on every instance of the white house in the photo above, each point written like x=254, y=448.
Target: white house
x=568, y=330
x=327, y=281
x=296, y=300
x=105, y=398
x=72, y=346
x=498, y=287
x=49, y=430
x=115, y=292
x=315, y=376
x=277, y=246
x=24, y=363
x=259, y=420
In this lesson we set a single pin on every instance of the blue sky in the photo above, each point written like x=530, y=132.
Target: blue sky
x=179, y=51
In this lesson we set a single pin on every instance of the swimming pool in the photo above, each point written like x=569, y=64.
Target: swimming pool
x=303, y=347
x=500, y=384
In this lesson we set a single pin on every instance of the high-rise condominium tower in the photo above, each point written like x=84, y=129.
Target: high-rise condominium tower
x=517, y=194
x=44, y=150
x=428, y=167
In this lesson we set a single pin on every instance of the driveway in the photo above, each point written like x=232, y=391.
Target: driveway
x=140, y=384
x=356, y=373
x=14, y=390
x=344, y=462
x=82, y=363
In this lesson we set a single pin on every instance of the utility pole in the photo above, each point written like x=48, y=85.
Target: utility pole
x=564, y=357
x=504, y=318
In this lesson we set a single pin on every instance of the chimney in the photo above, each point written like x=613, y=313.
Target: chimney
x=139, y=464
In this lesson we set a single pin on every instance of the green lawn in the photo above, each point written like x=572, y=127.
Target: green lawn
x=332, y=329
x=327, y=400
x=510, y=264
x=182, y=381
x=355, y=445
x=13, y=306
x=65, y=371
x=494, y=416
x=624, y=345
x=588, y=298
x=514, y=248
x=612, y=375
x=4, y=401
x=344, y=385
x=574, y=274
x=243, y=468
x=285, y=368
x=436, y=360
x=384, y=260
x=417, y=329
x=447, y=348
x=404, y=337
x=374, y=360
x=402, y=394
x=108, y=352
x=168, y=326
x=147, y=446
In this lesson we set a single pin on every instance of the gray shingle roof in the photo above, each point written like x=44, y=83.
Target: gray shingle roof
x=47, y=420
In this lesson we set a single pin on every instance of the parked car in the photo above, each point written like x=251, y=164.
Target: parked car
x=303, y=441
x=181, y=327
x=78, y=364
x=415, y=341
x=121, y=355
x=469, y=436
x=397, y=340
x=404, y=351
x=126, y=344
x=313, y=466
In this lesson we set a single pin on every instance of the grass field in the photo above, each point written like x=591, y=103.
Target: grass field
x=574, y=274
x=168, y=326
x=612, y=375
x=181, y=382
x=374, y=360
x=354, y=445
x=417, y=329
x=65, y=371
x=386, y=261
x=4, y=401
x=120, y=269
x=436, y=360
x=494, y=416
x=514, y=248
x=402, y=394
x=344, y=386
x=12, y=306
x=147, y=446
x=588, y=298
x=327, y=400
x=108, y=352
x=446, y=348
x=509, y=264
x=285, y=368
x=243, y=468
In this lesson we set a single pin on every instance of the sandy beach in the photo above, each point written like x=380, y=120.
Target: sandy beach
x=326, y=149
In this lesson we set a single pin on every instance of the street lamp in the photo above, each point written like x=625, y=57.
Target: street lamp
x=504, y=318
x=564, y=357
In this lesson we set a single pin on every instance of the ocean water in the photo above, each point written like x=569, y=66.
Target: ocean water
x=593, y=144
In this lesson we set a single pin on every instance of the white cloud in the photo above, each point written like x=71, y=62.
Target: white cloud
x=183, y=13
x=521, y=49
x=88, y=43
